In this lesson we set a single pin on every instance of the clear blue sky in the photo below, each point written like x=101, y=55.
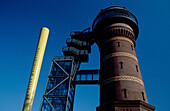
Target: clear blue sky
x=20, y=24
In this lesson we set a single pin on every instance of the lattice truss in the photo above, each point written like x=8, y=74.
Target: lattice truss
x=59, y=91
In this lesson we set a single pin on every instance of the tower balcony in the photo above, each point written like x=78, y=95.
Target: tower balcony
x=112, y=15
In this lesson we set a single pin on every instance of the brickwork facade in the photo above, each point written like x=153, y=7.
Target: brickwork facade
x=121, y=84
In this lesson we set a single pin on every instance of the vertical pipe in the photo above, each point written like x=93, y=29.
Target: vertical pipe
x=36, y=69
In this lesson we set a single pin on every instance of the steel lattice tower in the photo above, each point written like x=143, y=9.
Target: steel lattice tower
x=59, y=91
x=115, y=31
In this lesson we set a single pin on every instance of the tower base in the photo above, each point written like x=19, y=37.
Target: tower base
x=129, y=105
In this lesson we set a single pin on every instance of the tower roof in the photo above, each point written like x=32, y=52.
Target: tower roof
x=115, y=14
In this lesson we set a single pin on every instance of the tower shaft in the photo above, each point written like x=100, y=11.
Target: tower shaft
x=120, y=76
x=121, y=86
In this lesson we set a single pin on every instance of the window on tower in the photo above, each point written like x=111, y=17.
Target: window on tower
x=132, y=47
x=121, y=65
x=143, y=96
x=118, y=44
x=125, y=93
x=137, y=69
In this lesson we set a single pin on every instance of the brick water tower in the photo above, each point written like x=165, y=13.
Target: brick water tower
x=115, y=30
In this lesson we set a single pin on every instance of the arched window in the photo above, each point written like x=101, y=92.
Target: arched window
x=125, y=93
x=143, y=96
x=137, y=69
x=118, y=44
x=121, y=65
x=132, y=47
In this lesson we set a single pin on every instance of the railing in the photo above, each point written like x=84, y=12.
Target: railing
x=115, y=13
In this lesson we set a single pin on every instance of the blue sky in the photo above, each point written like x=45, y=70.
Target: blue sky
x=20, y=24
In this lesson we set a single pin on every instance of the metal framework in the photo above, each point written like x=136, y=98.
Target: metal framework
x=87, y=77
x=63, y=76
x=59, y=91
x=60, y=87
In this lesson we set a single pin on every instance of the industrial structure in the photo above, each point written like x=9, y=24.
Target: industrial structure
x=115, y=30
x=65, y=74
